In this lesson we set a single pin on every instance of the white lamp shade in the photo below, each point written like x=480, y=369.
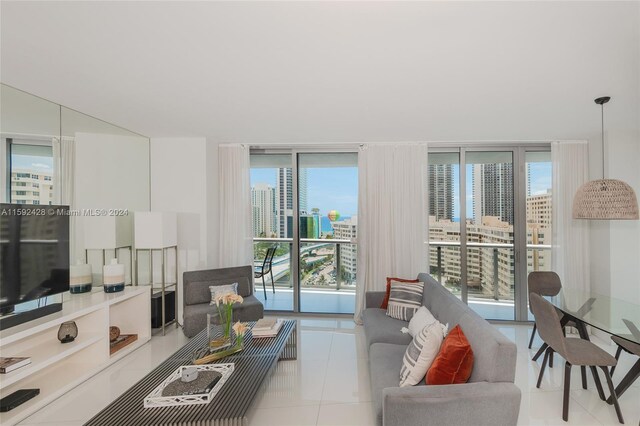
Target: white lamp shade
x=108, y=232
x=154, y=230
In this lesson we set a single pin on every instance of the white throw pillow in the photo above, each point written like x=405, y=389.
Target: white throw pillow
x=422, y=318
x=222, y=289
x=420, y=354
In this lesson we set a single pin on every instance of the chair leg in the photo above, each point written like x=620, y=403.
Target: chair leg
x=273, y=284
x=583, y=373
x=264, y=288
x=533, y=334
x=544, y=363
x=567, y=388
x=596, y=378
x=613, y=394
x=618, y=351
x=628, y=379
x=540, y=351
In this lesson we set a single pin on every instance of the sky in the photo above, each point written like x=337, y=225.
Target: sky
x=32, y=162
x=336, y=188
x=328, y=188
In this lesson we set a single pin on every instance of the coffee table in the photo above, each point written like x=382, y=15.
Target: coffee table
x=232, y=404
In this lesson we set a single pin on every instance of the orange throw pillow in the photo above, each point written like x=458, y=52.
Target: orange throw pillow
x=385, y=301
x=454, y=363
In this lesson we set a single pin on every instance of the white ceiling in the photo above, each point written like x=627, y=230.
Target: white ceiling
x=316, y=72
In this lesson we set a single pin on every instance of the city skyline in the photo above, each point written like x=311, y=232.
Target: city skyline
x=328, y=189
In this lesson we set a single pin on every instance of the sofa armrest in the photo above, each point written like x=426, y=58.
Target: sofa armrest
x=480, y=403
x=374, y=299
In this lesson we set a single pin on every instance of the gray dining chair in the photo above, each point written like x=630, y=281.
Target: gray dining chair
x=544, y=283
x=633, y=349
x=575, y=352
x=547, y=283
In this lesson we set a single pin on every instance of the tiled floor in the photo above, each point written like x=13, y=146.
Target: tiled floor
x=329, y=383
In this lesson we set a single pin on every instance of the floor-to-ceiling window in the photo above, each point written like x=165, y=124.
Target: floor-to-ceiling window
x=30, y=172
x=490, y=224
x=305, y=206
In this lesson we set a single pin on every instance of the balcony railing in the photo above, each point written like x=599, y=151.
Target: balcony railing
x=320, y=266
x=476, y=284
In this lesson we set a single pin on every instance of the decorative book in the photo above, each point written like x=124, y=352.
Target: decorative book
x=267, y=332
x=8, y=364
x=265, y=324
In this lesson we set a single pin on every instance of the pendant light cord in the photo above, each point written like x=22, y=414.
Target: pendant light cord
x=602, y=121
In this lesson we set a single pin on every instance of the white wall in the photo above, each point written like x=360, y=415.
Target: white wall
x=112, y=172
x=179, y=184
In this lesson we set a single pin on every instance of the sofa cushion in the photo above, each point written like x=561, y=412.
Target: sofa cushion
x=199, y=290
x=385, y=360
x=216, y=290
x=420, y=320
x=379, y=328
x=404, y=300
x=454, y=362
x=385, y=301
x=420, y=354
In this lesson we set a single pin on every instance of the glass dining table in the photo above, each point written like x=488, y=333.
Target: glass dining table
x=616, y=317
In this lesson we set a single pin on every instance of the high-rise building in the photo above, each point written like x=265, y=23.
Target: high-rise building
x=347, y=230
x=284, y=199
x=263, y=203
x=440, y=184
x=30, y=186
x=493, y=191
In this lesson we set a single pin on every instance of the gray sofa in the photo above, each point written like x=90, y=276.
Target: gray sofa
x=490, y=396
x=197, y=296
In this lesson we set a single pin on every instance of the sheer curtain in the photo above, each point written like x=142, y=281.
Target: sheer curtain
x=570, y=246
x=392, y=218
x=236, y=233
x=64, y=172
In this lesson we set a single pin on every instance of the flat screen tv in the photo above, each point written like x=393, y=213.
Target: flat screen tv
x=34, y=253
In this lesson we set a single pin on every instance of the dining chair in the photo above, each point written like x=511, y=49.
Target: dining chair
x=544, y=283
x=547, y=283
x=266, y=268
x=633, y=349
x=575, y=352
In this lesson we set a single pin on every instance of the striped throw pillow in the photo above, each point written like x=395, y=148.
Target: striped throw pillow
x=421, y=353
x=404, y=300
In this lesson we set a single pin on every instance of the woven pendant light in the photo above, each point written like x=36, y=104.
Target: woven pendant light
x=605, y=199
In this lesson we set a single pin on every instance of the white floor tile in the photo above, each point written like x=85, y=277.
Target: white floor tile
x=292, y=416
x=348, y=346
x=294, y=383
x=360, y=414
x=314, y=345
x=545, y=408
x=347, y=381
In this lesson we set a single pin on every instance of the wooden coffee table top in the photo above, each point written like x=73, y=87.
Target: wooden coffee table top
x=232, y=403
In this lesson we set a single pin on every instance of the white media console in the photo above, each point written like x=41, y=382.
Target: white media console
x=56, y=368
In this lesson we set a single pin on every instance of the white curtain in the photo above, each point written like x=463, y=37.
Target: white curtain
x=570, y=246
x=64, y=172
x=392, y=217
x=236, y=233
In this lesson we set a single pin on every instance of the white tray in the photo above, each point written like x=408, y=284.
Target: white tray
x=155, y=398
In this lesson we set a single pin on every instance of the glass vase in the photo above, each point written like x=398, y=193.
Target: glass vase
x=220, y=329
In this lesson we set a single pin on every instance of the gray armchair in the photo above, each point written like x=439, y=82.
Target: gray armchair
x=197, y=296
